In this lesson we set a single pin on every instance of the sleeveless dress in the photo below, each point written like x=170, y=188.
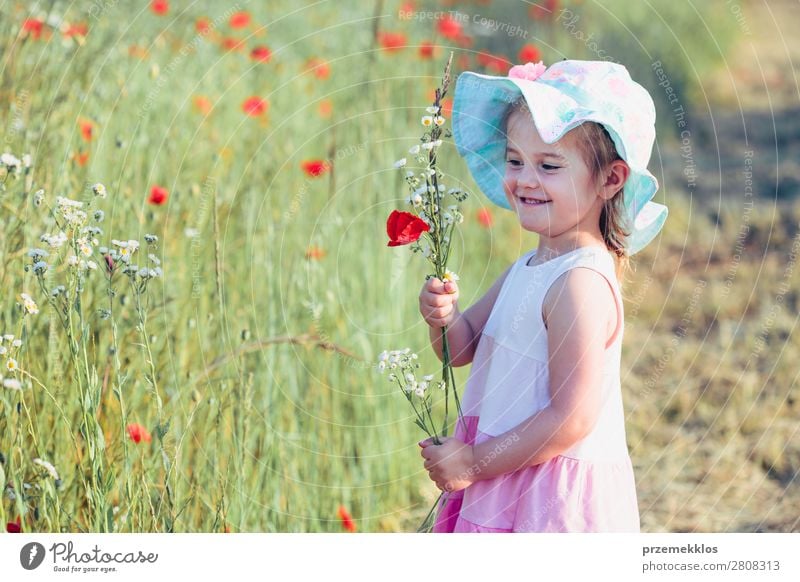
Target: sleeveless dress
x=588, y=488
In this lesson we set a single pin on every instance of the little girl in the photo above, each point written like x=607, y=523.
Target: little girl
x=542, y=444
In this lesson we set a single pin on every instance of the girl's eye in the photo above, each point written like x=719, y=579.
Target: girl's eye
x=513, y=162
x=548, y=167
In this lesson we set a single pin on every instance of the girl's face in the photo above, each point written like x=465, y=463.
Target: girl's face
x=549, y=186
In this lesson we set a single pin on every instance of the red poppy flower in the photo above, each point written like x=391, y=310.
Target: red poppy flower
x=202, y=104
x=315, y=168
x=449, y=27
x=261, y=54
x=160, y=7
x=545, y=11
x=202, y=25
x=392, y=41
x=528, y=54
x=485, y=217
x=426, y=50
x=86, y=130
x=314, y=252
x=138, y=433
x=404, y=228
x=14, y=526
x=321, y=69
x=158, y=195
x=240, y=20
x=494, y=63
x=325, y=108
x=447, y=107
x=78, y=29
x=254, y=106
x=81, y=158
x=347, y=520
x=232, y=44
x=33, y=27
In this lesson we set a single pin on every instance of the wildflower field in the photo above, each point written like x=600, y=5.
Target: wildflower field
x=196, y=282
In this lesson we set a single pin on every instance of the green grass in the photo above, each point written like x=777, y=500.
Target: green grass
x=262, y=357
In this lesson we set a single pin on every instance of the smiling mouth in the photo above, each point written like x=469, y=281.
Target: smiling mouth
x=532, y=201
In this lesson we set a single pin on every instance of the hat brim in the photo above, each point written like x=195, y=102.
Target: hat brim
x=479, y=108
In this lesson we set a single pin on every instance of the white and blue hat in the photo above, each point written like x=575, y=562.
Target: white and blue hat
x=560, y=98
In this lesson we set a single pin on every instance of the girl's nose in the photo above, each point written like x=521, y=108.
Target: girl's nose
x=528, y=177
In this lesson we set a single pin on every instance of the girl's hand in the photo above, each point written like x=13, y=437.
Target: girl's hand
x=451, y=465
x=437, y=302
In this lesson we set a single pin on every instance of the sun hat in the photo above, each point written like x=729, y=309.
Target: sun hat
x=560, y=98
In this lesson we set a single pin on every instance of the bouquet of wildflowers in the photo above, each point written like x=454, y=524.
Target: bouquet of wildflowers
x=427, y=227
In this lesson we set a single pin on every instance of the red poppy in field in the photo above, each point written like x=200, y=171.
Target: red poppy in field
x=315, y=168
x=314, y=252
x=392, y=41
x=320, y=68
x=404, y=228
x=485, y=218
x=202, y=104
x=33, y=27
x=138, y=433
x=325, y=108
x=81, y=158
x=78, y=29
x=447, y=107
x=158, y=195
x=449, y=27
x=426, y=50
x=261, y=54
x=137, y=51
x=528, y=54
x=494, y=63
x=14, y=526
x=160, y=7
x=202, y=25
x=347, y=520
x=254, y=106
x=240, y=20
x=543, y=11
x=230, y=43
x=86, y=130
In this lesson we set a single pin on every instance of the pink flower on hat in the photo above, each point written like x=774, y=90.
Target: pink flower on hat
x=529, y=71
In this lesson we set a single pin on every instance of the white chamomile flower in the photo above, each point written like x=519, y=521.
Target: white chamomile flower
x=11, y=365
x=51, y=470
x=400, y=163
x=428, y=378
x=414, y=150
x=439, y=120
x=449, y=276
x=99, y=190
x=73, y=260
x=27, y=160
x=91, y=265
x=419, y=391
x=416, y=200
x=28, y=304
x=12, y=384
x=427, y=121
x=3, y=350
x=433, y=109
x=16, y=343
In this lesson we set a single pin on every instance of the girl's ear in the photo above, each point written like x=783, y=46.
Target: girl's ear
x=616, y=176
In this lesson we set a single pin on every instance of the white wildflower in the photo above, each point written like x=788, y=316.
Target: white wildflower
x=400, y=163
x=11, y=365
x=28, y=304
x=27, y=160
x=433, y=109
x=427, y=121
x=12, y=384
x=16, y=343
x=11, y=162
x=51, y=470
x=414, y=150
x=449, y=276
x=439, y=120
x=99, y=190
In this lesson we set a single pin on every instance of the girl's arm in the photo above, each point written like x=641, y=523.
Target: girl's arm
x=466, y=328
x=580, y=315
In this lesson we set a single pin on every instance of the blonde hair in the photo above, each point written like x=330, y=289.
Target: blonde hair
x=598, y=151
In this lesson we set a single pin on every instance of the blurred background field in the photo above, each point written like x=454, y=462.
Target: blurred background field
x=256, y=141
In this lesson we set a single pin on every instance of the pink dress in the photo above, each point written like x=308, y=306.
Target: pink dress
x=588, y=488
